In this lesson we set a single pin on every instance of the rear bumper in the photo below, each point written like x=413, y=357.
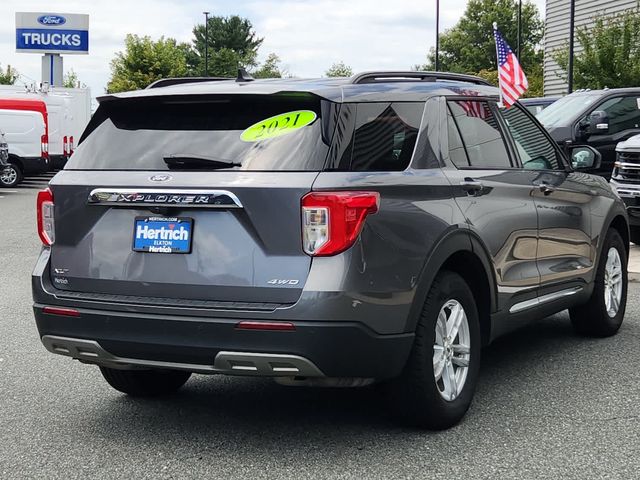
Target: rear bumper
x=58, y=161
x=337, y=334
x=125, y=340
x=34, y=165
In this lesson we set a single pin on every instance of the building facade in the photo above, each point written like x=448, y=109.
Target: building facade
x=557, y=33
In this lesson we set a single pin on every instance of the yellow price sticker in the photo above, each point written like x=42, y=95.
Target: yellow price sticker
x=278, y=125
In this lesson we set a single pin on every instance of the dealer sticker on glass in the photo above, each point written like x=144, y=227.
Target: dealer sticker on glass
x=278, y=125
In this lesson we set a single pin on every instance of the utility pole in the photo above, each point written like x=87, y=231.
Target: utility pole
x=519, y=55
x=206, y=44
x=572, y=14
x=437, y=63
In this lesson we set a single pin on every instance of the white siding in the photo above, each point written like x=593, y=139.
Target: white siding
x=557, y=32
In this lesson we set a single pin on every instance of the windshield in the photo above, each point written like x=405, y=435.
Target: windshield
x=565, y=109
x=247, y=132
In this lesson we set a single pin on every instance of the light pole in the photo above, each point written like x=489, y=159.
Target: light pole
x=519, y=30
x=437, y=63
x=572, y=14
x=206, y=44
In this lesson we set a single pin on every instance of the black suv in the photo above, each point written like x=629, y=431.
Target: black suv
x=380, y=228
x=599, y=118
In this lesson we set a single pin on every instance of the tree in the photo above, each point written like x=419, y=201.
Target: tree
x=231, y=42
x=9, y=76
x=70, y=79
x=145, y=61
x=609, y=54
x=469, y=46
x=534, y=76
x=339, y=69
x=270, y=68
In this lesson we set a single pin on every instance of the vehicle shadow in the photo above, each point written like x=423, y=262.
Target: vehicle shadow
x=259, y=414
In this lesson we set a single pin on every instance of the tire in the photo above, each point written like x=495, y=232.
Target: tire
x=594, y=318
x=145, y=383
x=416, y=395
x=10, y=176
x=635, y=235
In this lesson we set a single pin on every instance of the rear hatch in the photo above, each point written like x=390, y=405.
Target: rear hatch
x=190, y=197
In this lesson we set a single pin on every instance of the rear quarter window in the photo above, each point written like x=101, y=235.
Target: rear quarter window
x=383, y=136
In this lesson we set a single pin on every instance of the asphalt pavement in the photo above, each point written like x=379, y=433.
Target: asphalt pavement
x=549, y=404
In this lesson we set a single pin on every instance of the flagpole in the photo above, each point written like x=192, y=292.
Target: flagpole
x=437, y=63
x=495, y=29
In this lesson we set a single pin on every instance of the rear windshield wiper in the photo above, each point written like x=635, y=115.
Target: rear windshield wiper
x=198, y=162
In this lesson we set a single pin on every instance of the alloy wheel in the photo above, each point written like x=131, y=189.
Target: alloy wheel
x=8, y=176
x=613, y=282
x=451, y=350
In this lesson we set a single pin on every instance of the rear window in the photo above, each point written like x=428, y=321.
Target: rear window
x=247, y=132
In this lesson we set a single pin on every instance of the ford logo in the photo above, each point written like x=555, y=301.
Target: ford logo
x=52, y=20
x=160, y=178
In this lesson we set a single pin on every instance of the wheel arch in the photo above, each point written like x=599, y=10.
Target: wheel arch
x=460, y=252
x=17, y=161
x=621, y=225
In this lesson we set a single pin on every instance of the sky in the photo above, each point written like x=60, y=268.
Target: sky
x=308, y=35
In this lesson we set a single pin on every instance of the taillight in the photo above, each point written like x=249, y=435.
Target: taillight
x=331, y=221
x=44, y=146
x=46, y=225
x=65, y=145
x=71, y=146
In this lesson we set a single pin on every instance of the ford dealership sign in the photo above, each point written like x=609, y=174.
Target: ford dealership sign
x=52, y=20
x=52, y=32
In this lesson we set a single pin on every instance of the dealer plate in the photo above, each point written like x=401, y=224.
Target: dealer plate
x=162, y=234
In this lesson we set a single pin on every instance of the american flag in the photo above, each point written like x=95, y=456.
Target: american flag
x=473, y=108
x=513, y=82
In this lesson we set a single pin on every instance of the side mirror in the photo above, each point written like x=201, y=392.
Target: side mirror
x=598, y=122
x=585, y=158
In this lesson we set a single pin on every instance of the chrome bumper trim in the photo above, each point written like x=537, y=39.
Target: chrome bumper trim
x=227, y=363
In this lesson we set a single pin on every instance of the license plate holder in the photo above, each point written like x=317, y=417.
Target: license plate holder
x=162, y=234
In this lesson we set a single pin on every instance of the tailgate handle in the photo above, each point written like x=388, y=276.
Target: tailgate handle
x=144, y=197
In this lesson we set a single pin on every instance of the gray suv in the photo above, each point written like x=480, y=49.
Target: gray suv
x=377, y=229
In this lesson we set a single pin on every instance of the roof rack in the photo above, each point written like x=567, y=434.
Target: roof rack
x=375, y=77
x=166, y=82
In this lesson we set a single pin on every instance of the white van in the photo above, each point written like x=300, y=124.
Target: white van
x=69, y=112
x=24, y=132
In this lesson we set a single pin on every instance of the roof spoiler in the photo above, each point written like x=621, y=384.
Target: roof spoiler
x=167, y=82
x=410, y=76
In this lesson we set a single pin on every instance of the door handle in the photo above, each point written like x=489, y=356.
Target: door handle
x=471, y=186
x=546, y=188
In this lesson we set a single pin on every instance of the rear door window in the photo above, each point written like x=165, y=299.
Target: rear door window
x=480, y=133
x=247, y=132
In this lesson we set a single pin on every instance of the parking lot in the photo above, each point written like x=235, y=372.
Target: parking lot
x=549, y=405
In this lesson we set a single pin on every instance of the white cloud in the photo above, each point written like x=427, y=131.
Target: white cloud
x=308, y=35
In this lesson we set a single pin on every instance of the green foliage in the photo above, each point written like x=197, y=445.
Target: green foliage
x=610, y=55
x=534, y=76
x=70, y=79
x=8, y=76
x=469, y=46
x=339, y=69
x=231, y=42
x=270, y=68
x=145, y=61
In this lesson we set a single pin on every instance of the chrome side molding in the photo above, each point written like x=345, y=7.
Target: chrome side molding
x=146, y=197
x=549, y=297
